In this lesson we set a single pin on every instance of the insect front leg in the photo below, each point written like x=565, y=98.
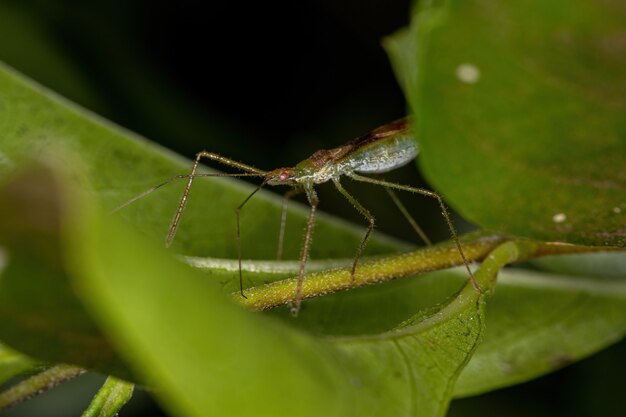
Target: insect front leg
x=444, y=212
x=183, y=201
x=238, y=238
x=306, y=248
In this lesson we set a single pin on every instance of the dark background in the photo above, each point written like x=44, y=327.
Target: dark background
x=266, y=83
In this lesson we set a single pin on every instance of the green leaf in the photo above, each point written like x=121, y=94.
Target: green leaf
x=13, y=364
x=36, y=301
x=520, y=109
x=600, y=265
x=110, y=398
x=539, y=322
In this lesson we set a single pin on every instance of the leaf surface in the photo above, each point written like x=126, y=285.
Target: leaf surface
x=521, y=113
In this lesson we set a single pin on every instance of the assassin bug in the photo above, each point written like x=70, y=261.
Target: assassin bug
x=381, y=150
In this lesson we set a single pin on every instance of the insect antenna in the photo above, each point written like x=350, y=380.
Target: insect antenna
x=176, y=178
x=250, y=172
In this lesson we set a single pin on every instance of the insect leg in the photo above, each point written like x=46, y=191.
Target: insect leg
x=408, y=216
x=176, y=178
x=306, y=246
x=283, y=220
x=237, y=211
x=365, y=214
x=192, y=175
x=444, y=212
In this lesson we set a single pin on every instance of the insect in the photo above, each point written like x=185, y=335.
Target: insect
x=381, y=150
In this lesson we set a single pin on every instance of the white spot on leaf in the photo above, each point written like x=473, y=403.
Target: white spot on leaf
x=468, y=73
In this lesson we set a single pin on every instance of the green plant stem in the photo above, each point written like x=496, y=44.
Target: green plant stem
x=486, y=275
x=38, y=384
x=110, y=398
x=505, y=253
x=427, y=259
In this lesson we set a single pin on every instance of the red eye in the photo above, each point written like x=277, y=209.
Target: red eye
x=283, y=176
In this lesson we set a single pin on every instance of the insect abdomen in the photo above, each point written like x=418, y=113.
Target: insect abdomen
x=384, y=155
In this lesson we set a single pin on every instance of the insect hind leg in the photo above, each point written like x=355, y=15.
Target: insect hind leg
x=366, y=214
x=444, y=212
x=420, y=232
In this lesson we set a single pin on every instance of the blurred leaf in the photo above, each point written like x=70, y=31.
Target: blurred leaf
x=607, y=265
x=520, y=109
x=110, y=398
x=36, y=301
x=13, y=364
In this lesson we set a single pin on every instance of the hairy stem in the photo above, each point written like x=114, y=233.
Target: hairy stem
x=38, y=384
x=427, y=259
